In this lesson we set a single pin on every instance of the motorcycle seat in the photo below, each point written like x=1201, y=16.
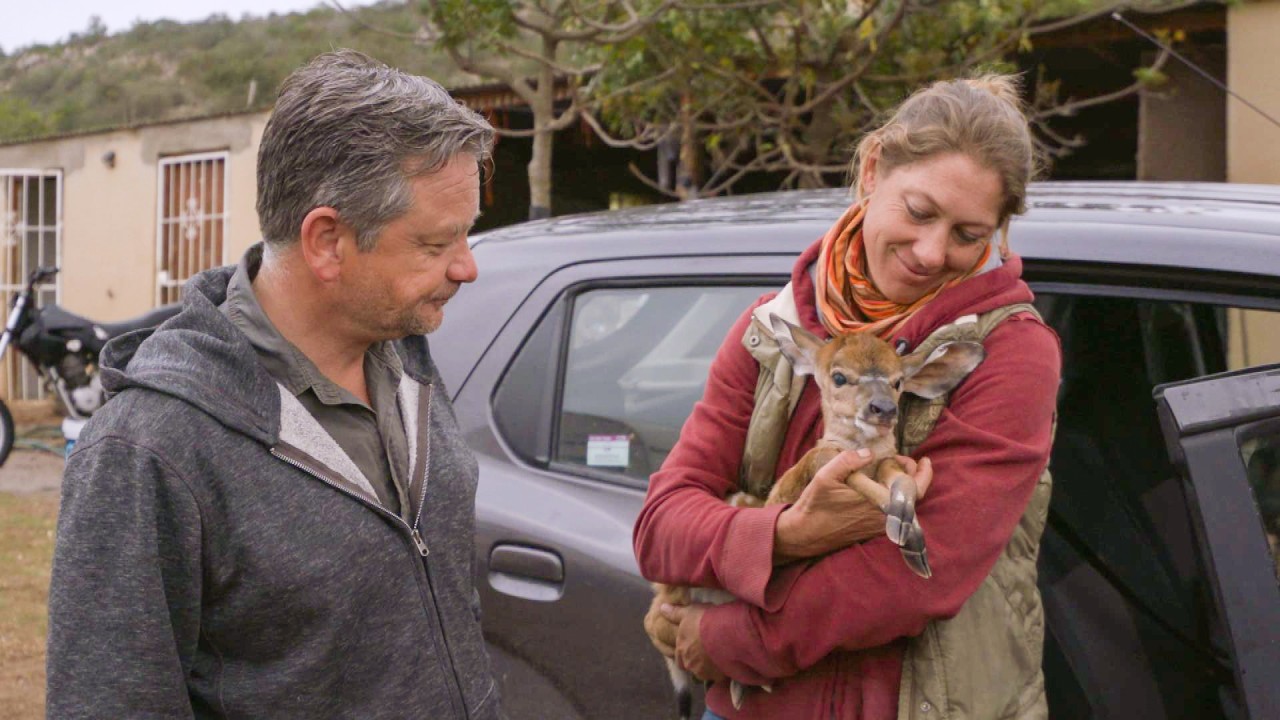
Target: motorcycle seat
x=149, y=319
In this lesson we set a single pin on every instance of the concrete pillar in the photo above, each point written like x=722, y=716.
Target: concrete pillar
x=1253, y=142
x=1182, y=125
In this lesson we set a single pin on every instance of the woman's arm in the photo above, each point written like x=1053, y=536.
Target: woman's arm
x=685, y=533
x=988, y=450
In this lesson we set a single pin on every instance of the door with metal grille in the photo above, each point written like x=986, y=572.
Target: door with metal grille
x=31, y=237
x=191, y=220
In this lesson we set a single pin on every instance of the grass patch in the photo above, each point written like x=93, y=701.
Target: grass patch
x=27, y=524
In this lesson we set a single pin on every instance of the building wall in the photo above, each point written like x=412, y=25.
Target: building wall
x=1187, y=106
x=110, y=210
x=1253, y=142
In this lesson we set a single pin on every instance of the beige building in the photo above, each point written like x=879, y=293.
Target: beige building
x=127, y=214
x=1253, y=141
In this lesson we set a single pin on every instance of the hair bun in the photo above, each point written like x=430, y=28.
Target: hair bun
x=1004, y=87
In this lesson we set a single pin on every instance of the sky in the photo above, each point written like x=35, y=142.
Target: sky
x=24, y=23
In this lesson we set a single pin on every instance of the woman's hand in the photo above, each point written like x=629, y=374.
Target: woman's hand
x=839, y=507
x=690, y=654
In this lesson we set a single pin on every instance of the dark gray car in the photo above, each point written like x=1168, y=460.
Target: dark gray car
x=576, y=358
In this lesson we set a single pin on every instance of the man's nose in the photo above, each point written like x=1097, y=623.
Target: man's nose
x=462, y=269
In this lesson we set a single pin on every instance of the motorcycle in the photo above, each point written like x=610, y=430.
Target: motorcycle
x=64, y=348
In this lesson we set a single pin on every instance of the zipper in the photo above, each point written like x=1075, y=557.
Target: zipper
x=417, y=539
x=426, y=473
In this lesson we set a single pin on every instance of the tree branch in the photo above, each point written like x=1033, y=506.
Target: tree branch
x=647, y=139
x=419, y=38
x=1072, y=107
x=650, y=182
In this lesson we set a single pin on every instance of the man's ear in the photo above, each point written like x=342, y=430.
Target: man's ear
x=797, y=344
x=321, y=242
x=941, y=370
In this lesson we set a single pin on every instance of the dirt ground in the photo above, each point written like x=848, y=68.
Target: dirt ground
x=29, y=483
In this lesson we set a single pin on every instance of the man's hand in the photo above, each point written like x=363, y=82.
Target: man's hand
x=690, y=654
x=839, y=507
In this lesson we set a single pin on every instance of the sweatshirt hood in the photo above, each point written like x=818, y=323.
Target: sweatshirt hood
x=199, y=357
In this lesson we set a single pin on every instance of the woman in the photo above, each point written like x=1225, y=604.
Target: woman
x=828, y=614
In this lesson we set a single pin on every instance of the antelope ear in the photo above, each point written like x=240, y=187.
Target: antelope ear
x=798, y=345
x=942, y=370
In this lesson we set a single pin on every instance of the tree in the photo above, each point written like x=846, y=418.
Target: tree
x=19, y=120
x=785, y=86
x=538, y=49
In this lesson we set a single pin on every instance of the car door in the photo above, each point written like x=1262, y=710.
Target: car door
x=1131, y=625
x=1223, y=435
x=573, y=405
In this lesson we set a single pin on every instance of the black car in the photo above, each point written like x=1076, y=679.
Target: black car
x=575, y=359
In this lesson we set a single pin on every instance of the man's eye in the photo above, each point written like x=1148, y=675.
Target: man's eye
x=839, y=379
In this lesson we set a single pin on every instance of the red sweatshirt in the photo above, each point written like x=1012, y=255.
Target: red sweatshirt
x=828, y=634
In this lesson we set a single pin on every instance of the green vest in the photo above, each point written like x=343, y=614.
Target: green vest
x=984, y=663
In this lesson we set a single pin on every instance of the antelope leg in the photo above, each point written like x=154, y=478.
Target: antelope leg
x=900, y=512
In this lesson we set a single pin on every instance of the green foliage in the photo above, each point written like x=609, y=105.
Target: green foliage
x=162, y=70
x=792, y=84
x=18, y=119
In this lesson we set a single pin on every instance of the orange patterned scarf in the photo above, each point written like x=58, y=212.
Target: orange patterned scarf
x=848, y=301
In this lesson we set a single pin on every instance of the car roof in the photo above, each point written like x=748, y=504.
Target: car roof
x=1212, y=226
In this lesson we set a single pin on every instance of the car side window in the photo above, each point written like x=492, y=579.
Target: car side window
x=1261, y=457
x=1119, y=567
x=637, y=360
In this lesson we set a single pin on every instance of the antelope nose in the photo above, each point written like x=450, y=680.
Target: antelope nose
x=883, y=410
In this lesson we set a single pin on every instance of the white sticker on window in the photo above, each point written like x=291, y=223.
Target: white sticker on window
x=608, y=450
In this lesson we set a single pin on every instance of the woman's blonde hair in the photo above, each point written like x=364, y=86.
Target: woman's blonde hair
x=980, y=117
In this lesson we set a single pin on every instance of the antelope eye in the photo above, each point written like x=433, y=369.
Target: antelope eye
x=897, y=384
x=839, y=379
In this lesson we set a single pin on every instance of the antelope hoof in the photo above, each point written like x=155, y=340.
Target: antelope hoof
x=737, y=693
x=914, y=553
x=900, y=513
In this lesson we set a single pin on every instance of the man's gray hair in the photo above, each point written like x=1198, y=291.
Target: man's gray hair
x=348, y=133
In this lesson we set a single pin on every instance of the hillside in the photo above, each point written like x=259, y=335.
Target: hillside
x=163, y=70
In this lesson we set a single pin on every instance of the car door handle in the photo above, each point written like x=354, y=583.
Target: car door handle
x=526, y=572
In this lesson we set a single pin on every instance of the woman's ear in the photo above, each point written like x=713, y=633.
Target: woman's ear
x=867, y=172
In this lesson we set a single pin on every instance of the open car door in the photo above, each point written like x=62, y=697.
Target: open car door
x=1223, y=436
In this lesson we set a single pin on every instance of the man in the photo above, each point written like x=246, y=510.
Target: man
x=273, y=516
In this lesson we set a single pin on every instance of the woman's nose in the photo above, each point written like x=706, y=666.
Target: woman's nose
x=930, y=249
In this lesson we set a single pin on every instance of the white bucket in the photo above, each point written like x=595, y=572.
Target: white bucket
x=71, y=431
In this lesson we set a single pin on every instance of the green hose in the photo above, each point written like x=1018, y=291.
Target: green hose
x=44, y=438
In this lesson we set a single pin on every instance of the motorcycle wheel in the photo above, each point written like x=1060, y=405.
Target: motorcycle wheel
x=6, y=432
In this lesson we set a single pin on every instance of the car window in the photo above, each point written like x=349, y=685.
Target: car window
x=637, y=361
x=1130, y=619
x=1262, y=466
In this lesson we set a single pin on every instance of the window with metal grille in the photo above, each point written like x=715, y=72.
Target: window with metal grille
x=31, y=237
x=191, y=221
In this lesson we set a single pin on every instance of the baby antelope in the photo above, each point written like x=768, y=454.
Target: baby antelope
x=860, y=380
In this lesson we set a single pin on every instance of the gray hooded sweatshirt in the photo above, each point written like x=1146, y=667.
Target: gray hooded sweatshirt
x=219, y=556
